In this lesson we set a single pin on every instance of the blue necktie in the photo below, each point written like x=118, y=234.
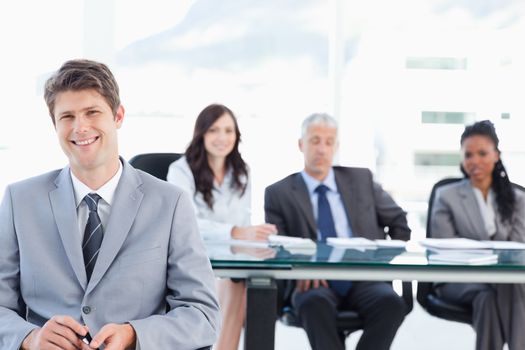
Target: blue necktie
x=92, y=235
x=325, y=220
x=326, y=227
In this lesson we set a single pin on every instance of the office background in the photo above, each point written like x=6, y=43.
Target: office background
x=402, y=77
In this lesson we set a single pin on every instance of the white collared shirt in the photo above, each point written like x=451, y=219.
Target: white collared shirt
x=486, y=209
x=342, y=226
x=106, y=192
x=229, y=207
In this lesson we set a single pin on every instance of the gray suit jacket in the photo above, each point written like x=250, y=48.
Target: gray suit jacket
x=455, y=213
x=369, y=208
x=152, y=270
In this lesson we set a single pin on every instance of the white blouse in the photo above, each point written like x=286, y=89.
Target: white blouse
x=229, y=207
x=487, y=210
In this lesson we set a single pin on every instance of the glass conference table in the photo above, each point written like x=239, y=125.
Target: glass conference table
x=261, y=264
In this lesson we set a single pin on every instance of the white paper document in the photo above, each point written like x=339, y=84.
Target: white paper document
x=506, y=245
x=364, y=243
x=354, y=242
x=390, y=243
x=459, y=257
x=453, y=243
x=289, y=242
x=465, y=243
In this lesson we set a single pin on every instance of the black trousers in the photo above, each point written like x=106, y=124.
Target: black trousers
x=380, y=308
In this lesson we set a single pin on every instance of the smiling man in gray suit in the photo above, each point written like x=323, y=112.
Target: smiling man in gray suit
x=325, y=201
x=99, y=248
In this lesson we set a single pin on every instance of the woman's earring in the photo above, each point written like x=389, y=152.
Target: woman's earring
x=499, y=166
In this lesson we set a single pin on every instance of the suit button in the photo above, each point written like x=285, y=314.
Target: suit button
x=86, y=310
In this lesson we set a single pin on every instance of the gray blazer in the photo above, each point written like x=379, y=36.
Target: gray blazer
x=455, y=213
x=370, y=209
x=152, y=270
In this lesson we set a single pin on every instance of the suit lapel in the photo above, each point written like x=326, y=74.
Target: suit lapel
x=347, y=191
x=471, y=208
x=64, y=210
x=124, y=208
x=302, y=198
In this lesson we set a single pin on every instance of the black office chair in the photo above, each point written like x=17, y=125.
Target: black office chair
x=156, y=164
x=426, y=295
x=347, y=321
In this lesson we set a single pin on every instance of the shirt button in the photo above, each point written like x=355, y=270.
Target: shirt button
x=86, y=310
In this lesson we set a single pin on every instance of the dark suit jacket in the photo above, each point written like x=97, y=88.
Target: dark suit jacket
x=369, y=208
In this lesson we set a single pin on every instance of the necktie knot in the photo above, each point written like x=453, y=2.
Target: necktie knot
x=321, y=189
x=91, y=200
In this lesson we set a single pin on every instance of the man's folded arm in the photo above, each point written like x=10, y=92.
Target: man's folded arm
x=390, y=214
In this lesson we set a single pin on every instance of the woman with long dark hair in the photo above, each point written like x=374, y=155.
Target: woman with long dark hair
x=213, y=172
x=484, y=206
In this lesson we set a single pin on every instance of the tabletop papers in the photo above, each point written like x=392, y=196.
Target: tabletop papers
x=291, y=242
x=453, y=243
x=364, y=243
x=506, y=245
x=465, y=243
x=472, y=257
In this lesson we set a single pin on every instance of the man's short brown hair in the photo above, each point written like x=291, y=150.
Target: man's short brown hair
x=81, y=74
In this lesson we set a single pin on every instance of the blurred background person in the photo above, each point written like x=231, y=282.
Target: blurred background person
x=324, y=201
x=213, y=172
x=485, y=205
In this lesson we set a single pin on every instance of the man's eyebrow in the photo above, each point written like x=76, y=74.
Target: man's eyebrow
x=82, y=110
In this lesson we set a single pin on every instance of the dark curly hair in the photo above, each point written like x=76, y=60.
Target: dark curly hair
x=501, y=185
x=197, y=158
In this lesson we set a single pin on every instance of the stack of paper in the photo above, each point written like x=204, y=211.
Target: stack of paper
x=465, y=243
x=354, y=242
x=390, y=243
x=453, y=243
x=461, y=257
x=360, y=242
x=291, y=242
x=506, y=245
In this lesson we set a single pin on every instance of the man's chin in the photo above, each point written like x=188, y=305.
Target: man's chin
x=84, y=164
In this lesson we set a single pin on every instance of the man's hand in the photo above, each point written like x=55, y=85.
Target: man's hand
x=304, y=285
x=115, y=337
x=58, y=333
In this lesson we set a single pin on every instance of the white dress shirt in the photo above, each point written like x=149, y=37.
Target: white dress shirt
x=229, y=207
x=342, y=226
x=486, y=209
x=106, y=192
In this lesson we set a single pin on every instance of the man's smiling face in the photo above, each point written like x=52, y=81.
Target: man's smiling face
x=87, y=129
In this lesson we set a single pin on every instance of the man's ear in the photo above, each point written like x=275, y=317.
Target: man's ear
x=119, y=116
x=300, y=144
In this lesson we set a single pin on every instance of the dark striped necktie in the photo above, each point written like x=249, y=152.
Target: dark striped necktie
x=92, y=235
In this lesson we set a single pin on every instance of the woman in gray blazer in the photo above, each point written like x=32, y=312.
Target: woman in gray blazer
x=484, y=206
